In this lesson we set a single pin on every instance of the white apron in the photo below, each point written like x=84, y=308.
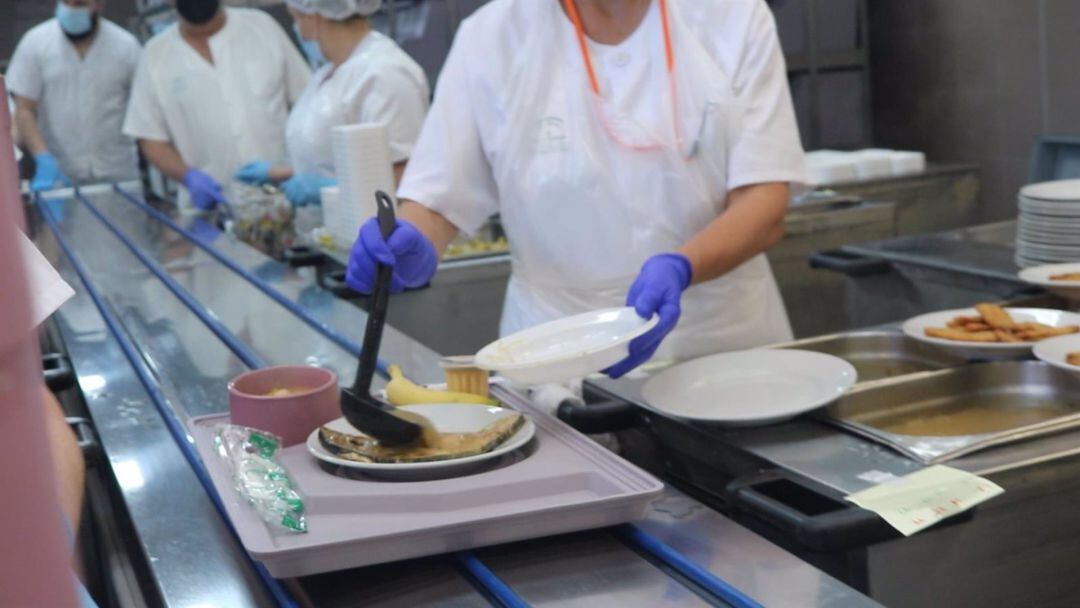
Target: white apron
x=584, y=212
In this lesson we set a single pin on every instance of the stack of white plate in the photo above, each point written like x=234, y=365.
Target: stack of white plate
x=1048, y=230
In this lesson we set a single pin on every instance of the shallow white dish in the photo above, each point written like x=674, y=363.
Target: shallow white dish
x=447, y=418
x=1041, y=237
x=1055, y=350
x=915, y=328
x=749, y=388
x=1059, y=190
x=1044, y=209
x=568, y=348
x=1063, y=253
x=1040, y=275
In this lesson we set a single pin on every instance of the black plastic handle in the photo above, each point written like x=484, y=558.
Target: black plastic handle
x=380, y=303
x=59, y=375
x=604, y=417
x=303, y=255
x=334, y=282
x=87, y=439
x=851, y=264
x=815, y=520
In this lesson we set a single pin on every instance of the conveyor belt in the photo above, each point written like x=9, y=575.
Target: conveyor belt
x=197, y=281
x=479, y=573
x=635, y=537
x=176, y=428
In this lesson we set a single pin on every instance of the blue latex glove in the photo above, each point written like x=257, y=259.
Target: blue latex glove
x=657, y=290
x=304, y=189
x=47, y=174
x=408, y=251
x=257, y=173
x=205, y=192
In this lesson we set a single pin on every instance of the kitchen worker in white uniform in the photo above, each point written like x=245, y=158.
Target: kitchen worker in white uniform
x=639, y=152
x=213, y=92
x=71, y=78
x=365, y=78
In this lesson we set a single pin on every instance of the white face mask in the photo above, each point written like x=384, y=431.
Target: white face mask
x=75, y=21
x=310, y=47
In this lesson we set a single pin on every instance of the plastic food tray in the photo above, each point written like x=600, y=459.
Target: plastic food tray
x=560, y=482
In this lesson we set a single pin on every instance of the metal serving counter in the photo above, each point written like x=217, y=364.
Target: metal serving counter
x=898, y=278
x=166, y=314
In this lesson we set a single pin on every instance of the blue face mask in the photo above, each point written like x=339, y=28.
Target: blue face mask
x=310, y=47
x=74, y=21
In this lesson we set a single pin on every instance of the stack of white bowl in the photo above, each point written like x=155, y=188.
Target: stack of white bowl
x=1048, y=231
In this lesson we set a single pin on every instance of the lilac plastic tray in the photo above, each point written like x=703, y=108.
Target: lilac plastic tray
x=560, y=482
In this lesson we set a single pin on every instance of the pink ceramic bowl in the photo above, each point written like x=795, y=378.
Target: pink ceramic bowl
x=314, y=400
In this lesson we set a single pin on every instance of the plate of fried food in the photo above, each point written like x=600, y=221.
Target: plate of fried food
x=1060, y=279
x=1062, y=352
x=989, y=331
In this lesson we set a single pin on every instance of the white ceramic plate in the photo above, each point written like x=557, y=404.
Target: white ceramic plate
x=986, y=351
x=1024, y=262
x=751, y=387
x=1065, y=209
x=447, y=418
x=1054, y=351
x=1053, y=228
x=568, y=348
x=1040, y=275
x=1059, y=254
x=1059, y=190
x=1034, y=237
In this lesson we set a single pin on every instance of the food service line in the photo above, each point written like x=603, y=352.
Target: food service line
x=478, y=573
x=160, y=490
x=182, y=587
x=175, y=427
x=637, y=538
x=707, y=537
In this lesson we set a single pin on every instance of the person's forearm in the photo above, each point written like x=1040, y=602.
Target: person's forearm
x=26, y=125
x=439, y=230
x=752, y=222
x=164, y=156
x=399, y=171
x=67, y=459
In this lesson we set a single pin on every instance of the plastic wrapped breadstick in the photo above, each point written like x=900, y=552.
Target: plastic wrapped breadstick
x=258, y=477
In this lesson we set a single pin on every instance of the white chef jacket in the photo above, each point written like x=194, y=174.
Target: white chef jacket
x=513, y=130
x=223, y=115
x=378, y=83
x=81, y=101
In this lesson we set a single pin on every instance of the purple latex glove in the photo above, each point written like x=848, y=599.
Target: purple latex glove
x=657, y=290
x=205, y=192
x=407, y=251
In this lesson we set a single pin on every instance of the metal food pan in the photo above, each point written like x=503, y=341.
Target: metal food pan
x=880, y=355
x=561, y=482
x=938, y=416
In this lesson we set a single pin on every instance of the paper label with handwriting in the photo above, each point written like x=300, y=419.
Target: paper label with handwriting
x=917, y=501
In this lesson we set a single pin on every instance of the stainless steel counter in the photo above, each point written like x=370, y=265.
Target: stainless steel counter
x=982, y=251
x=193, y=558
x=898, y=278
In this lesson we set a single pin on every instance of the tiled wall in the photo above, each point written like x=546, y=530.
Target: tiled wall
x=976, y=81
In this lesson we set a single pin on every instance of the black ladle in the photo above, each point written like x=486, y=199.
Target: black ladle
x=357, y=405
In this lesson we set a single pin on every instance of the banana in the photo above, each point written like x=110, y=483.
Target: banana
x=402, y=391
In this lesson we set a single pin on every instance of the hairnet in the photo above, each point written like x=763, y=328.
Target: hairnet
x=337, y=9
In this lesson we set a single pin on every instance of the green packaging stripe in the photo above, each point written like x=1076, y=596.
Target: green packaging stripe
x=299, y=525
x=266, y=445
